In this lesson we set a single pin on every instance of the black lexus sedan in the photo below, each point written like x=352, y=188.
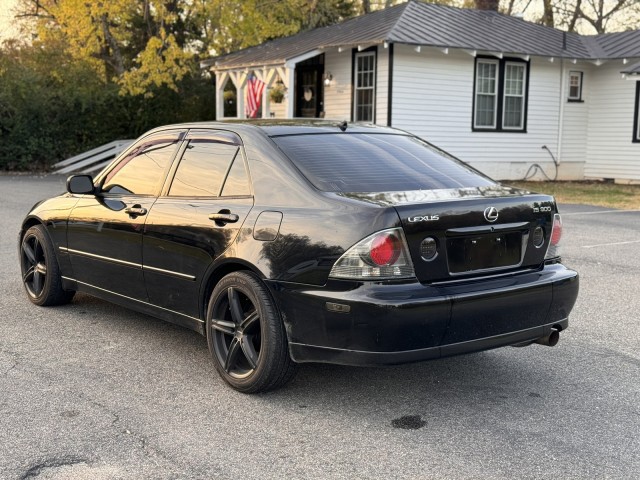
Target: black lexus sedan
x=305, y=242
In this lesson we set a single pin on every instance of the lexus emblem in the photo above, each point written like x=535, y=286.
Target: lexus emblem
x=491, y=214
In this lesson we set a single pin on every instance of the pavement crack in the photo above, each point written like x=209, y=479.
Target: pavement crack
x=147, y=450
x=13, y=359
x=50, y=463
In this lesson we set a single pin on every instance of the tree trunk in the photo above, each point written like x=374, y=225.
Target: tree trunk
x=487, y=4
x=547, y=15
x=112, y=55
x=575, y=16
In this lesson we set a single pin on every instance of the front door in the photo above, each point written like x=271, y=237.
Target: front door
x=309, y=101
x=197, y=218
x=104, y=235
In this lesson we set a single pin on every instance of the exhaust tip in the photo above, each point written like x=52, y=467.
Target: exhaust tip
x=550, y=340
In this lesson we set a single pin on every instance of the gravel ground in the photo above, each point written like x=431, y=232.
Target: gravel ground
x=94, y=391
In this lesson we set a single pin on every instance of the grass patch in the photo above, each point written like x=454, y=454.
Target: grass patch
x=588, y=193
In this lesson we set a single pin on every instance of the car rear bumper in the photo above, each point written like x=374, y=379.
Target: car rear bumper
x=377, y=324
x=312, y=353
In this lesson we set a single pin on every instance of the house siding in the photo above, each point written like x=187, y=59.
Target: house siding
x=610, y=150
x=382, y=85
x=278, y=110
x=433, y=98
x=337, y=96
x=572, y=148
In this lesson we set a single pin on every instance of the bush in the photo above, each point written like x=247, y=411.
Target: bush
x=52, y=108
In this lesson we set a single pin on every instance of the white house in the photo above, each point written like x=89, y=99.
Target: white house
x=510, y=97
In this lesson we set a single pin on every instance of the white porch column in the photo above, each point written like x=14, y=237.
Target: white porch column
x=221, y=80
x=239, y=79
x=290, y=84
x=267, y=76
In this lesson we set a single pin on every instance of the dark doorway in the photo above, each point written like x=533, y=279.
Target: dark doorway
x=309, y=94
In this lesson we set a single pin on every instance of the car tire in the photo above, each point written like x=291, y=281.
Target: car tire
x=40, y=270
x=246, y=335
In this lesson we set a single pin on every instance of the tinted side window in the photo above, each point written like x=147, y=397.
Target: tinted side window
x=376, y=163
x=237, y=183
x=202, y=168
x=142, y=170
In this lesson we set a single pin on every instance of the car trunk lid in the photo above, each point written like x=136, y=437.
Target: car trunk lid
x=476, y=231
x=477, y=235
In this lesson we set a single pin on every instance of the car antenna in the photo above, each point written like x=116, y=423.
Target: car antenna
x=343, y=125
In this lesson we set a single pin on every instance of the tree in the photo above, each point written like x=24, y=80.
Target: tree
x=487, y=4
x=138, y=44
x=600, y=15
x=231, y=25
x=585, y=16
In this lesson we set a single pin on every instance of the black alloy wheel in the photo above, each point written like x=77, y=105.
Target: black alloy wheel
x=237, y=337
x=246, y=335
x=40, y=271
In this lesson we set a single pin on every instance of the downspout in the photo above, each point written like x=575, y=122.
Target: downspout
x=390, y=87
x=561, y=114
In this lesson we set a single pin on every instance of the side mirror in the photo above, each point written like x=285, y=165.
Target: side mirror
x=80, y=184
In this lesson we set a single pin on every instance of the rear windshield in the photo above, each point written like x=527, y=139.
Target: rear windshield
x=376, y=163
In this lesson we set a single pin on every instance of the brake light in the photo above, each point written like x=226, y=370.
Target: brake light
x=381, y=256
x=553, y=250
x=385, y=249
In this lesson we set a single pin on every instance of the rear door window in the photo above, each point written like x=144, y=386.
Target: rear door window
x=208, y=160
x=376, y=163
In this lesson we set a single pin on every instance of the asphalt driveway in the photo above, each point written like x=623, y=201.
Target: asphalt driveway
x=91, y=390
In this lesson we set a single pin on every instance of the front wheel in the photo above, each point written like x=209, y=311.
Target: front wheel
x=246, y=336
x=40, y=271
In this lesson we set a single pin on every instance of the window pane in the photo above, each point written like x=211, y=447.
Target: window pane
x=202, y=168
x=142, y=170
x=364, y=109
x=486, y=79
x=375, y=163
x=486, y=90
x=514, y=80
x=513, y=112
x=513, y=107
x=575, y=85
x=364, y=95
x=574, y=92
x=237, y=183
x=485, y=110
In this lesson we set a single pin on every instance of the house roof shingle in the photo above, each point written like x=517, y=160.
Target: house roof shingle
x=418, y=23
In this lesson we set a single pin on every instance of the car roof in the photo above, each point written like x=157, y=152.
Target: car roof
x=274, y=128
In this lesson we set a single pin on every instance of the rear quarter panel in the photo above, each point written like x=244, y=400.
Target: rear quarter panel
x=316, y=228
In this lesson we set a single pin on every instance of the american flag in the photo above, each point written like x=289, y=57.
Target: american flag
x=255, y=88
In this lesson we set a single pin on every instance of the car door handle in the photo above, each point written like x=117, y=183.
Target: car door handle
x=135, y=211
x=222, y=218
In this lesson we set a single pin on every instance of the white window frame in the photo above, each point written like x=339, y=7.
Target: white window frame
x=495, y=95
x=522, y=96
x=356, y=89
x=579, y=75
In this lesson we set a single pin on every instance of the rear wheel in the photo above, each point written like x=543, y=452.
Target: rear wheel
x=40, y=272
x=246, y=336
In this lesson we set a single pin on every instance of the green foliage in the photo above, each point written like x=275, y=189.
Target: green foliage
x=103, y=70
x=231, y=25
x=52, y=108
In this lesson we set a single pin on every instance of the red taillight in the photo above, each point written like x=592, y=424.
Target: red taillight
x=556, y=232
x=553, y=250
x=380, y=256
x=385, y=249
